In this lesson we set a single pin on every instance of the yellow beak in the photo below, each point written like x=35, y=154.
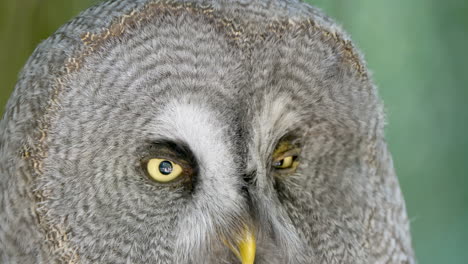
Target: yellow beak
x=246, y=247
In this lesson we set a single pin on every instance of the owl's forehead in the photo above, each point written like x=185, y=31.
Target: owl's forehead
x=270, y=75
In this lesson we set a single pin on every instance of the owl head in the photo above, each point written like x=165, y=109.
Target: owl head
x=198, y=132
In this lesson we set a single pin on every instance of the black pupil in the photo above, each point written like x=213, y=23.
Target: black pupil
x=279, y=163
x=165, y=167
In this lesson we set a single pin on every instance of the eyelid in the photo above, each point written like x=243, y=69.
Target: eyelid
x=186, y=166
x=292, y=152
x=175, y=151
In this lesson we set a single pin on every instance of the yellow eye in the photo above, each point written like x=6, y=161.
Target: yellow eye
x=285, y=163
x=162, y=170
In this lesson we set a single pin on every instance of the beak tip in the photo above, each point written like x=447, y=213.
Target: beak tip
x=247, y=248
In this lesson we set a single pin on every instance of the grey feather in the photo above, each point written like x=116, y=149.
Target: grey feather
x=229, y=81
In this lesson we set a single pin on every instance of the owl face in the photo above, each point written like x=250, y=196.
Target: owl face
x=186, y=138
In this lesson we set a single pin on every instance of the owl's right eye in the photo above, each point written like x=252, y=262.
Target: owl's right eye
x=162, y=170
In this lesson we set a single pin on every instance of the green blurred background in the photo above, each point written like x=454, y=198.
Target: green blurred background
x=417, y=51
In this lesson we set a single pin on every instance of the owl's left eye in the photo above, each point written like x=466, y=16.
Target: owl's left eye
x=162, y=170
x=285, y=157
x=288, y=162
x=284, y=163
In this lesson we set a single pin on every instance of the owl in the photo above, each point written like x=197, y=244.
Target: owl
x=198, y=131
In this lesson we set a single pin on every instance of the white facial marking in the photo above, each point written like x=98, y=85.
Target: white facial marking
x=217, y=200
